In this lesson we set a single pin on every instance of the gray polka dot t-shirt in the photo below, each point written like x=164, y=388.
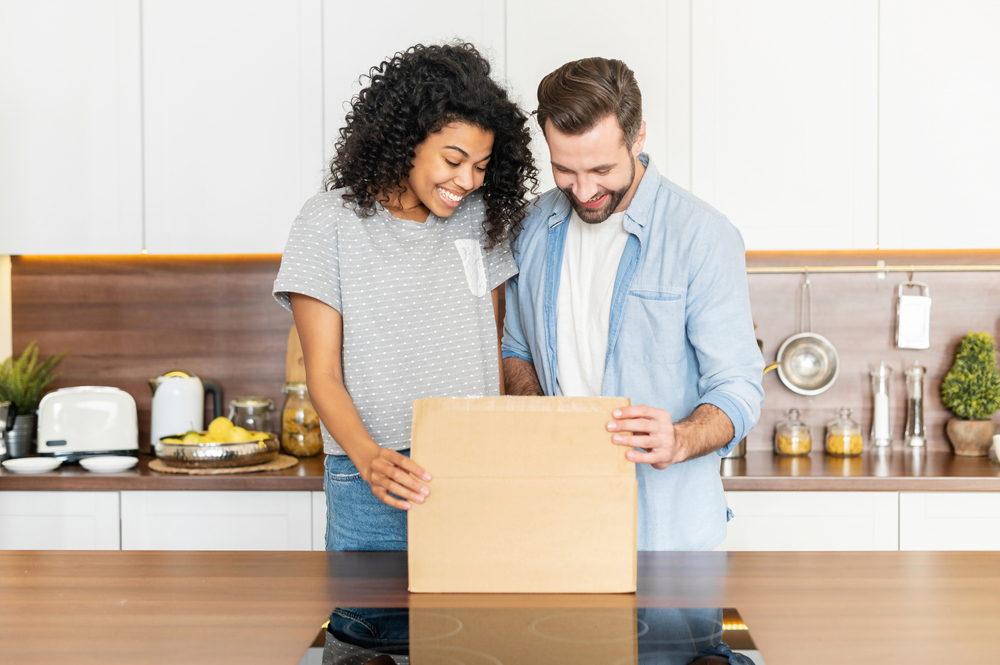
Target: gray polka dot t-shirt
x=415, y=299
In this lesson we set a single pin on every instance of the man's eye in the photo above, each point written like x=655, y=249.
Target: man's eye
x=603, y=172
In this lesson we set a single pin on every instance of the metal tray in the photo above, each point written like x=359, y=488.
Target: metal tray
x=216, y=455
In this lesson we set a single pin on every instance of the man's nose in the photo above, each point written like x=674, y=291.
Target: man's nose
x=585, y=190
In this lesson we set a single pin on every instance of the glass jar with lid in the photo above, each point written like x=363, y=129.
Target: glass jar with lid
x=843, y=436
x=252, y=413
x=791, y=436
x=300, y=432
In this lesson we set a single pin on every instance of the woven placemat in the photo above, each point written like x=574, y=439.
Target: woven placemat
x=277, y=464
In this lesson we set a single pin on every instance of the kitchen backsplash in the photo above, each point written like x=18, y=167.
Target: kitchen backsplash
x=127, y=319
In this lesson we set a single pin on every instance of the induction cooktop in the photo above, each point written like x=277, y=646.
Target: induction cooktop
x=529, y=636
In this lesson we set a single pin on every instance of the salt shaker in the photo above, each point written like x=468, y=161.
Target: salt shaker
x=915, y=434
x=881, y=434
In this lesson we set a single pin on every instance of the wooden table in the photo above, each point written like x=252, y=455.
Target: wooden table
x=266, y=607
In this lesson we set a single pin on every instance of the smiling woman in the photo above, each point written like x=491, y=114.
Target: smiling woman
x=389, y=273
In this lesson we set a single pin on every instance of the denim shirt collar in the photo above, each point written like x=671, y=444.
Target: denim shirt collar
x=638, y=212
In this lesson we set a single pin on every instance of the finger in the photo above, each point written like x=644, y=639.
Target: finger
x=645, y=442
x=639, y=411
x=401, y=491
x=635, y=425
x=383, y=495
x=402, y=461
x=402, y=478
x=655, y=458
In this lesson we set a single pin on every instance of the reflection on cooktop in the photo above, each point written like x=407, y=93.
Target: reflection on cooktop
x=526, y=636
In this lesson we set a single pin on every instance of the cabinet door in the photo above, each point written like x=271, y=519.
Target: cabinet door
x=939, y=135
x=70, y=137
x=352, y=46
x=59, y=521
x=784, y=120
x=541, y=36
x=318, y=521
x=812, y=521
x=216, y=521
x=949, y=521
x=232, y=120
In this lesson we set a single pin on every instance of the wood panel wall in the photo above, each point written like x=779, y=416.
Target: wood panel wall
x=127, y=319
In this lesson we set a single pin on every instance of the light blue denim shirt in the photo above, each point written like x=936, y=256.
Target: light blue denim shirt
x=680, y=335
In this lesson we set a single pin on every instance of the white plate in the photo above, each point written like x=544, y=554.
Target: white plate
x=32, y=464
x=108, y=463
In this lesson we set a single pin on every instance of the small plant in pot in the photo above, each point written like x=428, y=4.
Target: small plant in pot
x=971, y=390
x=22, y=381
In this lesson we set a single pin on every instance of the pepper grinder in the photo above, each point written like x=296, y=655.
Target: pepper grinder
x=881, y=434
x=915, y=434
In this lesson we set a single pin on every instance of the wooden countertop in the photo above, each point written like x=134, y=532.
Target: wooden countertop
x=759, y=470
x=267, y=607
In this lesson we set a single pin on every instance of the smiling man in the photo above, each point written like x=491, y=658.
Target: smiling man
x=630, y=286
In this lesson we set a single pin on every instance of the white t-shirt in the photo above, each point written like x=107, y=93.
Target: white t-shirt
x=583, y=308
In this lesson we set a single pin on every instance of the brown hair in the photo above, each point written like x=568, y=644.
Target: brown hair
x=581, y=93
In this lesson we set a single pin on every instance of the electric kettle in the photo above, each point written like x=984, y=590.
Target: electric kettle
x=179, y=404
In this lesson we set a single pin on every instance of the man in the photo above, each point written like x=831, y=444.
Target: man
x=630, y=286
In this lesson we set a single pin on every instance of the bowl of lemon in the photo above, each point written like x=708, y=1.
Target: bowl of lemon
x=221, y=445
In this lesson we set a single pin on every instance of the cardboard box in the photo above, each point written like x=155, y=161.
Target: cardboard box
x=528, y=495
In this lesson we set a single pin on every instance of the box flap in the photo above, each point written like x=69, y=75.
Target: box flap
x=518, y=437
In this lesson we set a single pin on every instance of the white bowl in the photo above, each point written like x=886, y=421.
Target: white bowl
x=32, y=464
x=108, y=463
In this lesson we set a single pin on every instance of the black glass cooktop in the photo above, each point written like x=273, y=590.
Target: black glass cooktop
x=526, y=636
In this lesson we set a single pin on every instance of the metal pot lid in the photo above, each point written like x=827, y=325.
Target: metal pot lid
x=808, y=363
x=257, y=402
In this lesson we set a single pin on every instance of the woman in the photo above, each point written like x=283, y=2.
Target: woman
x=389, y=273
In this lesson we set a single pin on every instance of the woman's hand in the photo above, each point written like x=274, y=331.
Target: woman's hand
x=391, y=473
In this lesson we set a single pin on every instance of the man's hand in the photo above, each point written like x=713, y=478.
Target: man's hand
x=394, y=472
x=664, y=442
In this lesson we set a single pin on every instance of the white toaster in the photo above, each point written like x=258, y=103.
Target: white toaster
x=87, y=420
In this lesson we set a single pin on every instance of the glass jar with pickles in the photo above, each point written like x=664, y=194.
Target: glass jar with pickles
x=843, y=436
x=300, y=432
x=791, y=436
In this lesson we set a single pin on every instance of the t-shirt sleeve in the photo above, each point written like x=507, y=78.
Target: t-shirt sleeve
x=310, y=264
x=500, y=265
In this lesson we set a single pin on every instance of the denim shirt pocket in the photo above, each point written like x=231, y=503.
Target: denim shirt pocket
x=656, y=319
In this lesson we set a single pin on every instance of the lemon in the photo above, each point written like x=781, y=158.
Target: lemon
x=239, y=434
x=259, y=436
x=171, y=440
x=191, y=437
x=220, y=429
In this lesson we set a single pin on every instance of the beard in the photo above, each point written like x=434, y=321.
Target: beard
x=598, y=215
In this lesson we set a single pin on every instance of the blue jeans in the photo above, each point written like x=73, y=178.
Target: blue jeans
x=356, y=520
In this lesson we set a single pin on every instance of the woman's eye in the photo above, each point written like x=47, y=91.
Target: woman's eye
x=450, y=163
x=481, y=169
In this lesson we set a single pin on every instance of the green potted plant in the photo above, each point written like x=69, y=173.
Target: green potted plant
x=971, y=390
x=22, y=381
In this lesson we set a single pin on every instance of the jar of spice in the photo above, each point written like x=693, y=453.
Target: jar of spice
x=843, y=436
x=791, y=436
x=300, y=432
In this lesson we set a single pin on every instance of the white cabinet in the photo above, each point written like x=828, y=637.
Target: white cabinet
x=949, y=521
x=824, y=521
x=233, y=122
x=784, y=119
x=218, y=520
x=939, y=135
x=351, y=47
x=70, y=127
x=541, y=36
x=318, y=521
x=59, y=521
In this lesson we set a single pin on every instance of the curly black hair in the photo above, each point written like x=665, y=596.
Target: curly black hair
x=416, y=93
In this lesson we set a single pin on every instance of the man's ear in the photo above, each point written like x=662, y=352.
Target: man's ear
x=640, y=140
